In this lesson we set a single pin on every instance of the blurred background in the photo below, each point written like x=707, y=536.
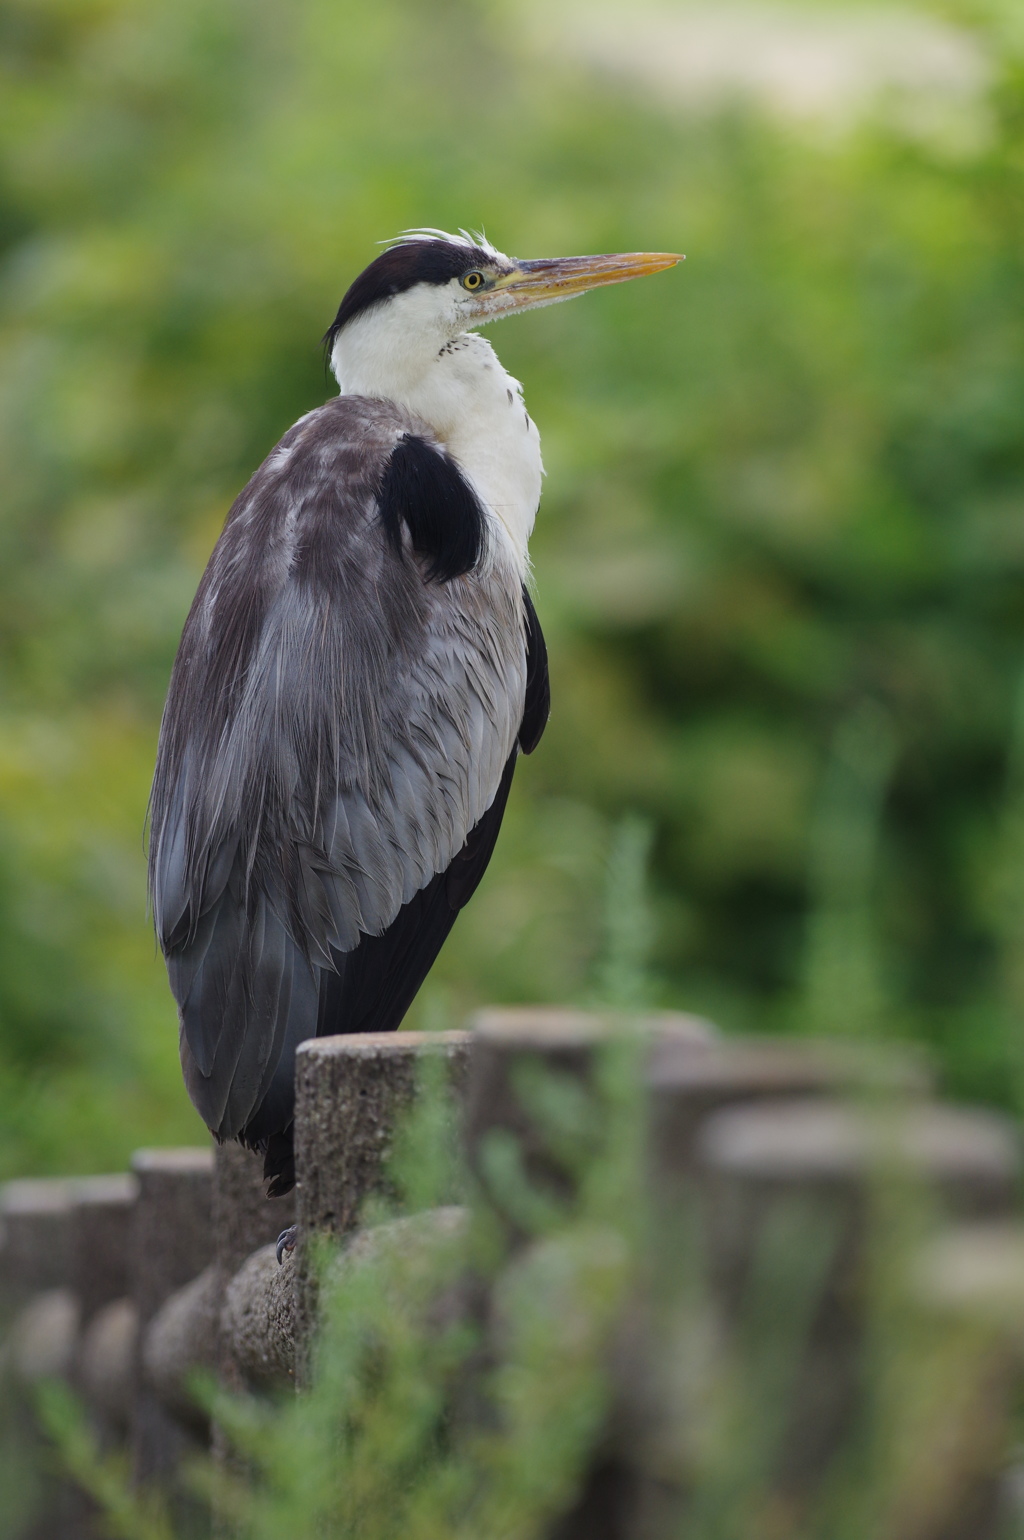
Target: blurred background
x=780, y=554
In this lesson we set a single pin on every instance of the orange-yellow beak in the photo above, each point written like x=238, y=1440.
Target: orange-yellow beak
x=551, y=279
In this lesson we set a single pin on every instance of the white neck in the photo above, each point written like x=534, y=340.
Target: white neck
x=458, y=386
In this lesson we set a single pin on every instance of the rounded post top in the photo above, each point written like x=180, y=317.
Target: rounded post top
x=976, y=1269
x=184, y=1160
x=35, y=1195
x=565, y=1027
x=379, y=1045
x=120, y=1187
x=741, y=1066
x=800, y=1140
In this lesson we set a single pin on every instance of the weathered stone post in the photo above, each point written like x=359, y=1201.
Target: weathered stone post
x=63, y=1259
x=969, y=1281
x=512, y=1048
x=101, y=1220
x=515, y=1053
x=101, y=1225
x=187, y=1332
x=36, y=1252
x=350, y=1092
x=801, y=1201
x=684, y=1088
x=246, y=1221
x=172, y=1242
x=41, y=1308
x=244, y=1218
x=40, y=1322
x=635, y=1485
x=512, y=1052
x=754, y=1158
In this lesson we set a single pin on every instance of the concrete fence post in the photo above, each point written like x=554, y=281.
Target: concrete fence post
x=684, y=1088
x=63, y=1260
x=350, y=1093
x=36, y=1217
x=244, y=1218
x=101, y=1220
x=101, y=1228
x=172, y=1240
x=511, y=1050
x=246, y=1222
x=513, y=1045
x=40, y=1304
x=797, y=1198
x=969, y=1280
x=635, y=1486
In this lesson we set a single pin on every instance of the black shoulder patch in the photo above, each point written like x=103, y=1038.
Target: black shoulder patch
x=537, y=708
x=423, y=488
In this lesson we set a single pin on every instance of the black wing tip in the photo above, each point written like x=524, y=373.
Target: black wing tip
x=537, y=707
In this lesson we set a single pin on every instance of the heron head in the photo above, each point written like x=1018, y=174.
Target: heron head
x=429, y=286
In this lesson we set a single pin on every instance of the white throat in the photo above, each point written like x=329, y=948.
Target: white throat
x=455, y=382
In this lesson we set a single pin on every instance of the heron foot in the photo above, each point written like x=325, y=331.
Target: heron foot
x=286, y=1242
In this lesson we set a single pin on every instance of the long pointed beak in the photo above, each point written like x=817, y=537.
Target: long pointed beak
x=551, y=279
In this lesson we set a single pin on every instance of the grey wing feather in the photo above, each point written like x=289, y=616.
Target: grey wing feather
x=336, y=726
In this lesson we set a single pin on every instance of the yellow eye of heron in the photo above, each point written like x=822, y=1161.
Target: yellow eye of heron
x=473, y=281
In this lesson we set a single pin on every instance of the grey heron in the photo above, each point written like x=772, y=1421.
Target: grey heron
x=358, y=673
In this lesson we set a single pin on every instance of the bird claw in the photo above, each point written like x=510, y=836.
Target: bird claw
x=286, y=1242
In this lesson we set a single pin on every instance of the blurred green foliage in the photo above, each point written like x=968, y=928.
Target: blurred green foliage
x=785, y=497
